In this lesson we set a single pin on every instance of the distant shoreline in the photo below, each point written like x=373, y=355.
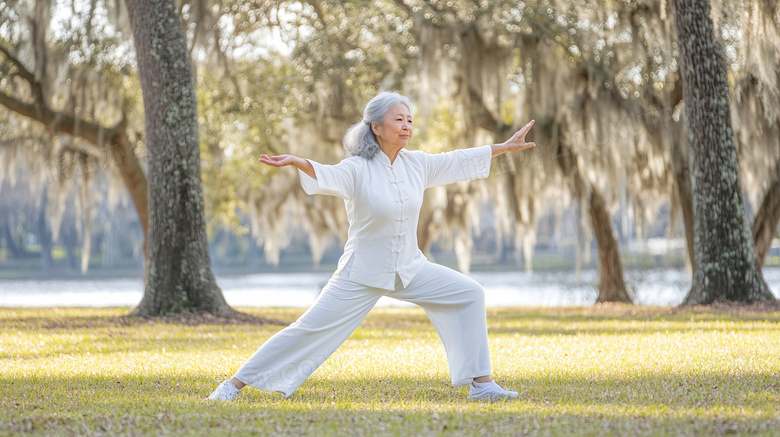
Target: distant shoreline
x=65, y=274
x=30, y=269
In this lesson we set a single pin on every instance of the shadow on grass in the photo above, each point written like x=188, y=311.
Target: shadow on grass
x=558, y=404
x=112, y=334
x=657, y=405
x=540, y=329
x=89, y=322
x=104, y=393
x=612, y=312
x=620, y=319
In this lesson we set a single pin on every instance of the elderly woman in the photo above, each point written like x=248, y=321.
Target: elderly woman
x=382, y=185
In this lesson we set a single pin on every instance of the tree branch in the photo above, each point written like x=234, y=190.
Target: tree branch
x=94, y=133
x=24, y=73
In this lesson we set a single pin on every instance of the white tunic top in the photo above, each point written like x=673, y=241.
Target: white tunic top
x=383, y=206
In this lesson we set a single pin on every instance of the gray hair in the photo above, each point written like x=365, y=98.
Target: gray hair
x=360, y=139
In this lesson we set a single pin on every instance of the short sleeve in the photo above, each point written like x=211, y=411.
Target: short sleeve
x=333, y=180
x=458, y=165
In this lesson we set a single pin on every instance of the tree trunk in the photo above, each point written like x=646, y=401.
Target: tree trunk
x=177, y=272
x=69, y=240
x=726, y=267
x=682, y=182
x=612, y=287
x=13, y=248
x=767, y=218
x=133, y=177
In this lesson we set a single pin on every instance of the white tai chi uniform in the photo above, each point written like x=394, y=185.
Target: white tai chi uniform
x=381, y=258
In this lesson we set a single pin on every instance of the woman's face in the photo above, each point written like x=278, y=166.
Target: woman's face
x=396, y=130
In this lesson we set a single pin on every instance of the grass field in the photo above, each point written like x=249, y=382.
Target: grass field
x=611, y=370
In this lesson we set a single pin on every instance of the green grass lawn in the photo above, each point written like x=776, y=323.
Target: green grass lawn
x=613, y=370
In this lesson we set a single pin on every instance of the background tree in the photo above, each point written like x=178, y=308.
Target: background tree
x=75, y=86
x=755, y=112
x=278, y=76
x=177, y=274
x=726, y=267
x=489, y=44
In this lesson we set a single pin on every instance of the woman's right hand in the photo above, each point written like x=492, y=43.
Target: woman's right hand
x=283, y=160
x=278, y=160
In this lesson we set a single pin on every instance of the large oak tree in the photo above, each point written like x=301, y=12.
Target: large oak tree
x=177, y=275
x=726, y=267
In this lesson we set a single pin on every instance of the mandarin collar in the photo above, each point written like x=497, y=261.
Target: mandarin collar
x=385, y=160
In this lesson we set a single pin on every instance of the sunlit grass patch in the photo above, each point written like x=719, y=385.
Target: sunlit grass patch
x=592, y=371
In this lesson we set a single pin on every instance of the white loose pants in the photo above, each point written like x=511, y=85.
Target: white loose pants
x=454, y=302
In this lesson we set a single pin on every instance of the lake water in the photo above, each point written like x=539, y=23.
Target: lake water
x=649, y=287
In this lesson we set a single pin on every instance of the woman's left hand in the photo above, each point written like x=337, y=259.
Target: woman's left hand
x=517, y=142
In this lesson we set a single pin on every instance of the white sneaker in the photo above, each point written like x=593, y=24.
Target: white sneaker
x=225, y=391
x=490, y=391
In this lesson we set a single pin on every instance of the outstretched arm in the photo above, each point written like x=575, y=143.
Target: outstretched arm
x=332, y=180
x=283, y=160
x=517, y=142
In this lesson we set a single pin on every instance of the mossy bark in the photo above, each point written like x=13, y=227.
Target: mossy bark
x=726, y=267
x=177, y=274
